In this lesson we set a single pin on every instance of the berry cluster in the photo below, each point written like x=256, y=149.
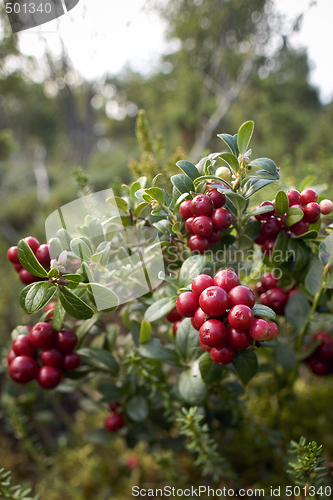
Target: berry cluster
x=321, y=360
x=43, y=346
x=115, y=420
x=42, y=253
x=175, y=318
x=221, y=309
x=205, y=218
x=271, y=295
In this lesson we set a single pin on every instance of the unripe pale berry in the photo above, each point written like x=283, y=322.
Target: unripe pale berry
x=326, y=207
x=224, y=173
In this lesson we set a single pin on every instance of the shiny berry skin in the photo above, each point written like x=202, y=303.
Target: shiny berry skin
x=198, y=244
x=204, y=346
x=71, y=361
x=277, y=299
x=273, y=331
x=308, y=195
x=214, y=237
x=185, y=210
x=33, y=243
x=217, y=198
x=188, y=225
x=294, y=197
x=200, y=317
x=173, y=316
x=324, y=336
x=201, y=282
x=271, y=228
x=259, y=329
x=52, y=357
x=300, y=227
x=269, y=281
x=240, y=317
x=27, y=278
x=260, y=240
x=50, y=309
x=221, y=219
x=10, y=356
x=176, y=326
x=22, y=346
x=18, y=267
x=43, y=255
x=114, y=422
x=325, y=350
x=266, y=215
x=264, y=299
x=202, y=225
x=49, y=377
x=226, y=279
x=213, y=333
x=239, y=339
x=242, y=295
x=214, y=301
x=312, y=212
x=260, y=288
x=42, y=335
x=224, y=173
x=23, y=369
x=223, y=355
x=202, y=205
x=268, y=246
x=12, y=255
x=326, y=207
x=319, y=367
x=194, y=324
x=66, y=340
x=187, y=303
x=114, y=405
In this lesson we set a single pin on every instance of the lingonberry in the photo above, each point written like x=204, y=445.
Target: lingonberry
x=325, y=350
x=294, y=197
x=264, y=299
x=204, y=346
x=270, y=228
x=49, y=377
x=114, y=422
x=33, y=243
x=43, y=255
x=326, y=207
x=200, y=317
x=194, y=324
x=239, y=339
x=269, y=281
x=277, y=299
x=224, y=173
x=187, y=303
x=266, y=215
x=185, y=210
x=23, y=369
x=259, y=329
x=312, y=212
x=66, y=340
x=223, y=355
x=202, y=225
x=319, y=367
x=202, y=205
x=323, y=336
x=50, y=309
x=173, y=316
x=240, y=317
x=22, y=346
x=18, y=267
x=260, y=288
x=268, y=246
x=214, y=301
x=51, y=357
x=217, y=198
x=188, y=225
x=198, y=244
x=71, y=361
x=213, y=333
x=175, y=327
x=10, y=356
x=214, y=237
x=308, y=195
x=242, y=295
x=27, y=278
x=12, y=255
x=201, y=282
x=273, y=331
x=132, y=461
x=221, y=219
x=260, y=240
x=114, y=405
x=226, y=279
x=42, y=335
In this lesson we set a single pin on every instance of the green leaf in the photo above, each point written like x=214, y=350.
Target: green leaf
x=99, y=356
x=297, y=310
x=190, y=269
x=294, y=215
x=59, y=314
x=188, y=168
x=73, y=280
x=137, y=409
x=231, y=161
x=110, y=392
x=308, y=181
x=246, y=365
x=238, y=200
x=96, y=232
x=75, y=306
x=285, y=356
x=164, y=226
x=154, y=350
x=260, y=210
x=135, y=186
x=264, y=163
x=210, y=371
x=281, y=202
x=187, y=340
x=191, y=387
x=81, y=249
x=28, y=260
x=314, y=276
x=261, y=310
x=244, y=136
x=83, y=330
x=263, y=174
x=326, y=250
x=182, y=184
x=55, y=248
x=252, y=186
x=156, y=194
x=19, y=330
x=182, y=197
x=104, y=298
x=309, y=235
x=160, y=308
x=38, y=296
x=280, y=249
x=231, y=142
x=118, y=202
x=145, y=331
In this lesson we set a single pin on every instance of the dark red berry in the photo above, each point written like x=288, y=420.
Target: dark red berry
x=269, y=281
x=71, y=361
x=214, y=301
x=201, y=282
x=187, y=303
x=198, y=244
x=12, y=255
x=43, y=255
x=242, y=295
x=23, y=369
x=223, y=355
x=49, y=377
x=266, y=215
x=22, y=346
x=18, y=267
x=260, y=240
x=173, y=316
x=202, y=225
x=52, y=357
x=308, y=196
x=188, y=225
x=185, y=210
x=204, y=346
x=240, y=317
x=42, y=335
x=200, y=317
x=259, y=329
x=194, y=324
x=226, y=279
x=27, y=278
x=273, y=331
x=325, y=350
x=294, y=197
x=10, y=356
x=114, y=405
x=323, y=336
x=114, y=422
x=260, y=288
x=268, y=247
x=33, y=243
x=202, y=205
x=271, y=228
x=217, y=198
x=50, y=309
x=277, y=299
x=239, y=339
x=214, y=237
x=312, y=212
x=66, y=340
x=175, y=327
x=264, y=299
x=319, y=367
x=213, y=333
x=221, y=219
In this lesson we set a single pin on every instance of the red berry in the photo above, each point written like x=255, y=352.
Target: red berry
x=33, y=243
x=71, y=361
x=185, y=210
x=114, y=422
x=308, y=195
x=240, y=317
x=202, y=225
x=221, y=219
x=42, y=335
x=66, y=340
x=198, y=244
x=50, y=309
x=325, y=350
x=217, y=198
x=49, y=377
x=114, y=405
x=27, y=278
x=259, y=329
x=326, y=207
x=277, y=299
x=273, y=331
x=188, y=225
x=194, y=324
x=271, y=228
x=132, y=462
x=202, y=205
x=175, y=327
x=22, y=346
x=242, y=295
x=200, y=317
x=319, y=367
x=52, y=357
x=43, y=255
x=226, y=279
x=187, y=303
x=294, y=197
x=213, y=333
x=12, y=255
x=312, y=212
x=201, y=282
x=266, y=215
x=10, y=356
x=214, y=237
x=173, y=316
x=260, y=288
x=223, y=355
x=214, y=301
x=18, y=267
x=324, y=336
x=239, y=339
x=268, y=246
x=269, y=281
x=260, y=240
x=264, y=299
x=204, y=346
x=23, y=369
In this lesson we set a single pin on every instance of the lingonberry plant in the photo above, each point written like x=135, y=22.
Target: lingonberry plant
x=163, y=306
